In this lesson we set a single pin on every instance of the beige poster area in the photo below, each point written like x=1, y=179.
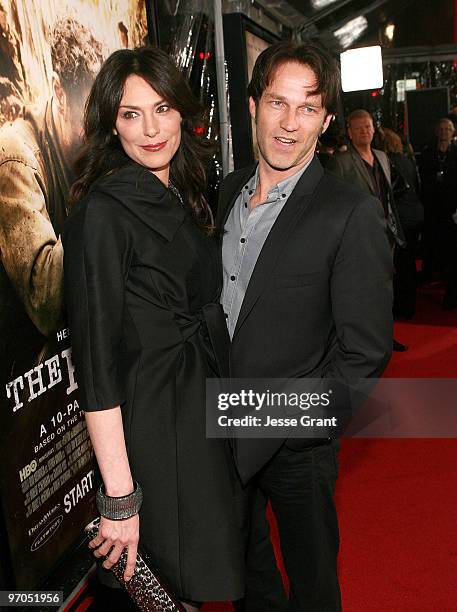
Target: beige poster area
x=50, y=52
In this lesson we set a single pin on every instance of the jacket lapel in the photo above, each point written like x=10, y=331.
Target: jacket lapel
x=393, y=218
x=288, y=218
x=230, y=190
x=384, y=164
x=362, y=170
x=146, y=197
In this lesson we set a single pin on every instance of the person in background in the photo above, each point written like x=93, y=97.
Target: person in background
x=331, y=141
x=453, y=117
x=438, y=172
x=369, y=170
x=326, y=147
x=142, y=287
x=406, y=188
x=37, y=151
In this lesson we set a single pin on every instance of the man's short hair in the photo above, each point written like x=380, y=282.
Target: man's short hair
x=359, y=113
x=444, y=120
x=312, y=55
x=76, y=54
x=453, y=117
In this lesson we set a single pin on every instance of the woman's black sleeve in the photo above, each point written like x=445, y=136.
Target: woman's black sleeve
x=96, y=260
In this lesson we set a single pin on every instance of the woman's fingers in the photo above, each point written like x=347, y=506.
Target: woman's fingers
x=112, y=538
x=96, y=541
x=103, y=550
x=113, y=556
x=131, y=560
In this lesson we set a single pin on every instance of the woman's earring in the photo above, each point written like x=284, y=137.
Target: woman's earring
x=115, y=131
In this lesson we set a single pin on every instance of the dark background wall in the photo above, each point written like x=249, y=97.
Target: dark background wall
x=426, y=22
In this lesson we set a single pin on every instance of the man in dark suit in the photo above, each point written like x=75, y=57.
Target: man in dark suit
x=369, y=170
x=307, y=293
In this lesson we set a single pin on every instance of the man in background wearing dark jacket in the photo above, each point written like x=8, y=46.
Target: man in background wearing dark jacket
x=369, y=170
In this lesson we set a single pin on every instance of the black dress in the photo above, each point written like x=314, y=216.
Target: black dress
x=438, y=172
x=405, y=185
x=142, y=289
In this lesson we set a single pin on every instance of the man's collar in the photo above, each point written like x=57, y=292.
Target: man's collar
x=283, y=188
x=354, y=148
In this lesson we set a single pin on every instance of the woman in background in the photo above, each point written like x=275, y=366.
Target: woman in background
x=438, y=171
x=405, y=185
x=143, y=279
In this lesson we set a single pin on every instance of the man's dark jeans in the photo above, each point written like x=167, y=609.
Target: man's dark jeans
x=300, y=484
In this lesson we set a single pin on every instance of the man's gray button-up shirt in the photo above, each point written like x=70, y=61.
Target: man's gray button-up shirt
x=246, y=230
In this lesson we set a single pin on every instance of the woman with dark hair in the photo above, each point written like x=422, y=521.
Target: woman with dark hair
x=405, y=186
x=143, y=280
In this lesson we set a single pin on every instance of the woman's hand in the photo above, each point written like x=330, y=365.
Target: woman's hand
x=107, y=435
x=114, y=536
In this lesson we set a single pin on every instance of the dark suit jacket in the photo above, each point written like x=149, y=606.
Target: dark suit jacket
x=350, y=167
x=319, y=302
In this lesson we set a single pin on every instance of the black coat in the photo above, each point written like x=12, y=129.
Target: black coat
x=405, y=185
x=438, y=174
x=142, y=290
x=319, y=302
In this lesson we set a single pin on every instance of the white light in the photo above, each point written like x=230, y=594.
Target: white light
x=405, y=85
x=361, y=69
x=389, y=31
x=318, y=4
x=351, y=31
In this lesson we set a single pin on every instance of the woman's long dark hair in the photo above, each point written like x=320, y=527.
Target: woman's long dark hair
x=102, y=150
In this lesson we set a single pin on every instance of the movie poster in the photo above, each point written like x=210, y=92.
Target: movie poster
x=50, y=51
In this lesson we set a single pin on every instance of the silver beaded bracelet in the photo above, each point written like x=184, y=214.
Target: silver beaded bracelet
x=119, y=508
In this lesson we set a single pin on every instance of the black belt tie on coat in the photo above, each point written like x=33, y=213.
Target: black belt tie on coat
x=210, y=323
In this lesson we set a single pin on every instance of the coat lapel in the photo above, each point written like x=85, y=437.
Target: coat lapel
x=362, y=170
x=288, y=218
x=393, y=218
x=146, y=197
x=384, y=163
x=229, y=193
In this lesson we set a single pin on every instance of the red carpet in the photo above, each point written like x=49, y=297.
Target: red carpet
x=431, y=337
x=397, y=499
x=397, y=502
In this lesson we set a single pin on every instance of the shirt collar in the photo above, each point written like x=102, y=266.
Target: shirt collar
x=281, y=190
